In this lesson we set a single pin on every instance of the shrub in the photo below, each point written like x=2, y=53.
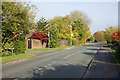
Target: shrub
x=19, y=45
x=6, y=54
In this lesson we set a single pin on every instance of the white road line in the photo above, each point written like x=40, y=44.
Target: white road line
x=40, y=69
x=51, y=63
x=45, y=66
x=68, y=56
x=51, y=53
x=71, y=54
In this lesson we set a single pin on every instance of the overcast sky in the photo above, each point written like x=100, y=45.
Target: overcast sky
x=102, y=14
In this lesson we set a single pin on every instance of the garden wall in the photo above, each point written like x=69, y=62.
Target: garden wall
x=35, y=43
x=63, y=42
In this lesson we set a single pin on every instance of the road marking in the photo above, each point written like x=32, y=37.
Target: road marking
x=45, y=66
x=68, y=56
x=51, y=53
x=71, y=54
x=51, y=63
x=65, y=64
x=40, y=69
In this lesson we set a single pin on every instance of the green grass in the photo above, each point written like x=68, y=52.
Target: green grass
x=117, y=61
x=115, y=53
x=58, y=48
x=118, y=64
x=16, y=57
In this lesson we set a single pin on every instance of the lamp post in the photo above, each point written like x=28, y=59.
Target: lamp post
x=71, y=36
x=48, y=35
x=49, y=40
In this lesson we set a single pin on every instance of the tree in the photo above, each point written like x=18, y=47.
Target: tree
x=92, y=39
x=63, y=26
x=99, y=36
x=42, y=26
x=116, y=36
x=109, y=33
x=54, y=38
x=76, y=23
x=80, y=23
x=17, y=19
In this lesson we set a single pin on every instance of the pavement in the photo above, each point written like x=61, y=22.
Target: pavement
x=102, y=67
x=66, y=63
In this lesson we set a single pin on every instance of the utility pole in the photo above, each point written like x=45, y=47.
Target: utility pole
x=48, y=35
x=71, y=36
x=49, y=39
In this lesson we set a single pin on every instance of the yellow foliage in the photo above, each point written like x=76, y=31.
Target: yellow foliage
x=61, y=35
x=75, y=33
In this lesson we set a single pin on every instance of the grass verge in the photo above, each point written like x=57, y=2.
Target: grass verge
x=115, y=53
x=16, y=57
x=58, y=48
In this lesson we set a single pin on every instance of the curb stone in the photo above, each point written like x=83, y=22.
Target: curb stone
x=90, y=64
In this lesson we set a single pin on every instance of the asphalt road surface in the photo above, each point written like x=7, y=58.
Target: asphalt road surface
x=67, y=63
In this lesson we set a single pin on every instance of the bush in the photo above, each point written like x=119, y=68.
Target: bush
x=116, y=53
x=6, y=54
x=19, y=45
x=113, y=51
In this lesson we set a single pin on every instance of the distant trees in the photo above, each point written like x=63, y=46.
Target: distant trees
x=80, y=24
x=108, y=34
x=76, y=23
x=99, y=36
x=92, y=39
x=116, y=36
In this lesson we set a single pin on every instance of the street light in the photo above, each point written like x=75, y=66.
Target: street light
x=48, y=35
x=49, y=39
x=71, y=36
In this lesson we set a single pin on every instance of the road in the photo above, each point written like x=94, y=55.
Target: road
x=67, y=63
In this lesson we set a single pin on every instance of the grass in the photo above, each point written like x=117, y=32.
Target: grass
x=15, y=57
x=115, y=53
x=58, y=48
x=117, y=62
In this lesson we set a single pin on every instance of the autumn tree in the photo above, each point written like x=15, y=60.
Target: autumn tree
x=92, y=39
x=99, y=36
x=80, y=23
x=116, y=36
x=63, y=26
x=108, y=34
x=76, y=23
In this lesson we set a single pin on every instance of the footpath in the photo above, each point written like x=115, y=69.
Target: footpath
x=102, y=67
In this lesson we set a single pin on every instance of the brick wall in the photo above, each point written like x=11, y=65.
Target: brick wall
x=63, y=42
x=35, y=43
